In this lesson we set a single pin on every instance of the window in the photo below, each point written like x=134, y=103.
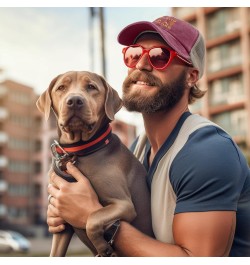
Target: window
x=16, y=166
x=37, y=167
x=223, y=21
x=14, y=212
x=3, y=90
x=37, y=146
x=184, y=11
x=37, y=190
x=214, y=60
x=233, y=122
x=22, y=121
x=19, y=144
x=226, y=91
x=18, y=190
x=224, y=56
x=20, y=98
x=232, y=19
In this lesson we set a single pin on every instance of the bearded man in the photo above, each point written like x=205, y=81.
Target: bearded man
x=198, y=177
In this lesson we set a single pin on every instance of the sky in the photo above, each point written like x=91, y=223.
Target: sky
x=39, y=39
x=38, y=43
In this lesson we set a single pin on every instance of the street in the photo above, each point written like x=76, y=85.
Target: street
x=40, y=246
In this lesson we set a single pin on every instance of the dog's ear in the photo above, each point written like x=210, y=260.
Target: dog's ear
x=44, y=101
x=113, y=102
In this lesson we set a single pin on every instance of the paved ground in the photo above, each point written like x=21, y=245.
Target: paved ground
x=44, y=244
x=41, y=247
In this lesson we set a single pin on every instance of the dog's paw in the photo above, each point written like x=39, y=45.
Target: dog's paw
x=108, y=252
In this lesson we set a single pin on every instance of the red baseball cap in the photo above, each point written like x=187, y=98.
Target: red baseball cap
x=180, y=35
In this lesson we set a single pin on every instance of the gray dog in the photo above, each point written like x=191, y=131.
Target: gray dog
x=84, y=105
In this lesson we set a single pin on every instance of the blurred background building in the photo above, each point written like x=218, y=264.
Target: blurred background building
x=227, y=77
x=25, y=137
x=20, y=156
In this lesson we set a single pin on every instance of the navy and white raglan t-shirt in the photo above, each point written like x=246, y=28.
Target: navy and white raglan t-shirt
x=199, y=168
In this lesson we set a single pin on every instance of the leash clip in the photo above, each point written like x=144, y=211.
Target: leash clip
x=61, y=160
x=55, y=153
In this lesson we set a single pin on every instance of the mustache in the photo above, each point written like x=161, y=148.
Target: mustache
x=138, y=75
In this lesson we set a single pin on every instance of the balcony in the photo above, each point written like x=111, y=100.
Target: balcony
x=3, y=210
x=3, y=138
x=3, y=162
x=3, y=114
x=3, y=90
x=3, y=186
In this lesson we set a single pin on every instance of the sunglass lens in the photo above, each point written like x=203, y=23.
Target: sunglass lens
x=159, y=57
x=132, y=56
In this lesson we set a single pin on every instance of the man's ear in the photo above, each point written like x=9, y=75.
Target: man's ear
x=44, y=101
x=113, y=102
x=192, y=77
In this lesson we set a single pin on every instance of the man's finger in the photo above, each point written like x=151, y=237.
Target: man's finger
x=53, y=191
x=56, y=229
x=52, y=211
x=74, y=171
x=55, y=221
x=56, y=180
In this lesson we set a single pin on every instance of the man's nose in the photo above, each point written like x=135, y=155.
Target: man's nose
x=144, y=64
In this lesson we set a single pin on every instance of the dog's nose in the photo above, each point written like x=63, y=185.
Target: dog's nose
x=74, y=102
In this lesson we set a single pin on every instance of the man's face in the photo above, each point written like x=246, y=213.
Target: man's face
x=149, y=90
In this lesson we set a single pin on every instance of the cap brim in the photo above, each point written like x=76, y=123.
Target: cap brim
x=128, y=35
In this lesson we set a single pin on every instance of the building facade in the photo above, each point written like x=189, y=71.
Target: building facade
x=227, y=76
x=20, y=155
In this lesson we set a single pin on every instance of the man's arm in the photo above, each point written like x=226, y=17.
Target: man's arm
x=207, y=234
x=195, y=233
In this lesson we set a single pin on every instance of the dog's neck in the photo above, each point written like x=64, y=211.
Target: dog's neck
x=63, y=153
x=81, y=148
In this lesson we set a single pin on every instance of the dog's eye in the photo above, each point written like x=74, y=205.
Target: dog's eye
x=61, y=87
x=91, y=87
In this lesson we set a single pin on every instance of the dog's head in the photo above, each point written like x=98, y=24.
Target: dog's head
x=82, y=102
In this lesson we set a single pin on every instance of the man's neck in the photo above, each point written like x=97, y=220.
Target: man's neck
x=159, y=125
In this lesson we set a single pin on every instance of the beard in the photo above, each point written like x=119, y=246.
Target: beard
x=167, y=96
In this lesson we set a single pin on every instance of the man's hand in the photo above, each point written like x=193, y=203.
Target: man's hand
x=70, y=202
x=55, y=223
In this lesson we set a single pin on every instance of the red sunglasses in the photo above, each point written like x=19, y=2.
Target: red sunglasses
x=159, y=57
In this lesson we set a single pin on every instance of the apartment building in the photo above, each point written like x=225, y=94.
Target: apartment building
x=227, y=77
x=20, y=155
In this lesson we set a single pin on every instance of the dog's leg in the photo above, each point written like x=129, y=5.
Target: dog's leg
x=84, y=238
x=60, y=242
x=98, y=220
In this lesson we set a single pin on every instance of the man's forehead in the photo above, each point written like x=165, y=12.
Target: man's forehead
x=152, y=36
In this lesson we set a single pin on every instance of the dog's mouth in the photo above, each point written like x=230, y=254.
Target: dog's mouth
x=75, y=124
